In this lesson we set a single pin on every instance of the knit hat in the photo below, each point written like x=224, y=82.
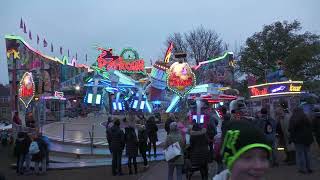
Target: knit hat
x=239, y=137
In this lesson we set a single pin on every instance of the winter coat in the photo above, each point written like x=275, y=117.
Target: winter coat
x=116, y=140
x=131, y=142
x=316, y=125
x=22, y=144
x=152, y=129
x=43, y=147
x=174, y=137
x=268, y=127
x=199, y=151
x=142, y=138
x=301, y=132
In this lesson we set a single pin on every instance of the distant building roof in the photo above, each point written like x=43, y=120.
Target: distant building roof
x=4, y=90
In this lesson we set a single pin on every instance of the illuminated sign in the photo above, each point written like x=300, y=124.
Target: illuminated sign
x=276, y=88
x=180, y=79
x=131, y=63
x=295, y=88
x=26, y=89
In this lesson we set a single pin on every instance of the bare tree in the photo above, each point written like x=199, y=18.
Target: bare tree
x=199, y=44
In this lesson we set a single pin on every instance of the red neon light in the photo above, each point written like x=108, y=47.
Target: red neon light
x=175, y=81
x=256, y=92
x=110, y=62
x=25, y=92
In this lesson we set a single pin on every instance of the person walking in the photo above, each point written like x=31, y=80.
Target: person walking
x=316, y=124
x=178, y=162
x=39, y=155
x=199, y=149
x=152, y=130
x=116, y=145
x=245, y=157
x=300, y=129
x=131, y=142
x=143, y=139
x=21, y=150
x=268, y=126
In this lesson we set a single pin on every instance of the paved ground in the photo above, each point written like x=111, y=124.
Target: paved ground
x=156, y=171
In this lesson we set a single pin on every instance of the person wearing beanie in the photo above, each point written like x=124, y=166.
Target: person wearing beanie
x=178, y=162
x=245, y=152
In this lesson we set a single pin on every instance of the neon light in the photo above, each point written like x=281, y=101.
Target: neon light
x=90, y=96
x=111, y=62
x=98, y=99
x=272, y=94
x=26, y=89
x=295, y=88
x=280, y=88
x=212, y=60
x=58, y=94
x=142, y=103
x=257, y=92
x=12, y=37
x=284, y=82
x=168, y=53
x=173, y=103
x=16, y=54
x=148, y=107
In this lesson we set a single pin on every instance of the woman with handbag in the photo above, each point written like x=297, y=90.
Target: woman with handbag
x=178, y=161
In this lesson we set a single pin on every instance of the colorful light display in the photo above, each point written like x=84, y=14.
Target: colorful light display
x=26, y=89
x=181, y=79
x=110, y=62
x=276, y=88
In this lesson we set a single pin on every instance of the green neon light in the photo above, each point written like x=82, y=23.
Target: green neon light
x=213, y=60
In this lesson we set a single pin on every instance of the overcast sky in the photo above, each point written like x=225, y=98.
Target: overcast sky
x=143, y=24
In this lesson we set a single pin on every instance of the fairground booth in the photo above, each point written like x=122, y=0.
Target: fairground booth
x=35, y=80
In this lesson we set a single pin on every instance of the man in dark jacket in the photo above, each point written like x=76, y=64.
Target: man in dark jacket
x=131, y=141
x=143, y=139
x=152, y=130
x=21, y=150
x=199, y=149
x=316, y=124
x=116, y=146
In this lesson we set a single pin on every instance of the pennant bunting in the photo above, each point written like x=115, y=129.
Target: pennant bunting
x=86, y=58
x=30, y=36
x=68, y=53
x=60, y=50
x=21, y=24
x=51, y=47
x=24, y=28
x=45, y=44
x=38, y=39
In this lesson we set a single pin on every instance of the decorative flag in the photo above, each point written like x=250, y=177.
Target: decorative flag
x=38, y=39
x=24, y=28
x=168, y=53
x=60, y=50
x=21, y=24
x=86, y=58
x=151, y=62
x=76, y=56
x=68, y=53
x=30, y=36
x=45, y=44
x=51, y=47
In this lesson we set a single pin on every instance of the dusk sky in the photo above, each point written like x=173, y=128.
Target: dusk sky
x=142, y=24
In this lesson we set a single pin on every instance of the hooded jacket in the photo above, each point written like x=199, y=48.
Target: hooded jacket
x=198, y=147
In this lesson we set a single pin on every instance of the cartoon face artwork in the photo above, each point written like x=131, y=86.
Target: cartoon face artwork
x=26, y=89
x=181, y=79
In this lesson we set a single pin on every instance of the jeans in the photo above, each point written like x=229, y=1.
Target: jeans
x=43, y=165
x=303, y=157
x=178, y=170
x=154, y=148
x=20, y=160
x=116, y=162
x=134, y=159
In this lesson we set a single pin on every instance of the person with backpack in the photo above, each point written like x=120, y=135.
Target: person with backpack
x=131, y=142
x=143, y=139
x=38, y=150
x=152, y=130
x=268, y=126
